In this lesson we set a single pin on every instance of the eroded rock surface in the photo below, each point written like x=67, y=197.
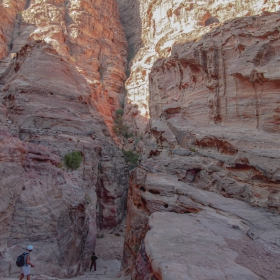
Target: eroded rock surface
x=204, y=92
x=61, y=77
x=154, y=27
x=208, y=236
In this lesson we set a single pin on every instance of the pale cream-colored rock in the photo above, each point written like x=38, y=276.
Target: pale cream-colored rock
x=154, y=27
x=207, y=245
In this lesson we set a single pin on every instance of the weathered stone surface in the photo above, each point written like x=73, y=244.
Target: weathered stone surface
x=154, y=27
x=196, y=247
x=204, y=90
x=207, y=233
x=207, y=98
x=88, y=35
x=48, y=86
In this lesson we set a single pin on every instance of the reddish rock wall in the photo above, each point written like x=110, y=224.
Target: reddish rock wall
x=61, y=77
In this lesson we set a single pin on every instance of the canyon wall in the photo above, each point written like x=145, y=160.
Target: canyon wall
x=61, y=77
x=204, y=93
x=153, y=27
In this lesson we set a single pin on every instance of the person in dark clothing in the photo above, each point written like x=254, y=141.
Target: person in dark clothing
x=93, y=261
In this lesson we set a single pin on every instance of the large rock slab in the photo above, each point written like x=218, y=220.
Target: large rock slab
x=167, y=246
x=204, y=246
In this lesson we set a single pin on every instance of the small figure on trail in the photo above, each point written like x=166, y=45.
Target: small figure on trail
x=93, y=261
x=25, y=269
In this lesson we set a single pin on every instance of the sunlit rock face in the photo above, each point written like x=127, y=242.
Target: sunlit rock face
x=215, y=93
x=153, y=27
x=213, y=89
x=88, y=34
x=55, y=58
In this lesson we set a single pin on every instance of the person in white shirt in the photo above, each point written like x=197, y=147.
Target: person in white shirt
x=25, y=270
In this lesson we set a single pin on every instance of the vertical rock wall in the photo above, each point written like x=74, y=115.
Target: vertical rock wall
x=204, y=91
x=61, y=77
x=157, y=26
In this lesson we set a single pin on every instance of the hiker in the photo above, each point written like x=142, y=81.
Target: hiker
x=93, y=261
x=25, y=269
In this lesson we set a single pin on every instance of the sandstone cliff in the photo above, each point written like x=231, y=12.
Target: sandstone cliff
x=153, y=27
x=61, y=77
x=204, y=91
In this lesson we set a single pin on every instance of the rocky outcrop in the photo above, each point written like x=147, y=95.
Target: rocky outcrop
x=89, y=35
x=8, y=14
x=205, y=96
x=220, y=101
x=158, y=25
x=60, y=80
x=176, y=231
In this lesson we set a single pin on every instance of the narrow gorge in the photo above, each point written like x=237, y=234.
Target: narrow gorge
x=172, y=109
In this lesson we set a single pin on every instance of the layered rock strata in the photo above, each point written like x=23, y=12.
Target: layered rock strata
x=89, y=35
x=153, y=27
x=209, y=107
x=219, y=98
x=61, y=77
x=176, y=231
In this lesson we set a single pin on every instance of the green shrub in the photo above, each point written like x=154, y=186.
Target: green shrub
x=136, y=248
x=120, y=128
x=131, y=158
x=119, y=112
x=73, y=160
x=193, y=150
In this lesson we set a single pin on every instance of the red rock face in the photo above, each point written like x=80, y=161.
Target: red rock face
x=8, y=13
x=89, y=35
x=51, y=97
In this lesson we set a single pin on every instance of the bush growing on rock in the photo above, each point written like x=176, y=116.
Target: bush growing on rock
x=119, y=112
x=131, y=158
x=73, y=160
x=193, y=150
